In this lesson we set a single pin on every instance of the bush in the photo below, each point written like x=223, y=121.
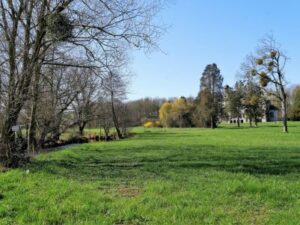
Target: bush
x=152, y=124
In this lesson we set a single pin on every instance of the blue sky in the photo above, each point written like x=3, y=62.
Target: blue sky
x=213, y=31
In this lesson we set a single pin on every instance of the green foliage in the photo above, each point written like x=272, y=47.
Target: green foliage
x=169, y=176
x=253, y=101
x=59, y=27
x=234, y=100
x=244, y=100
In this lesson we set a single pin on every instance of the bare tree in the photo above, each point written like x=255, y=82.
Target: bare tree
x=114, y=88
x=59, y=92
x=84, y=29
x=23, y=29
x=104, y=116
x=143, y=109
x=84, y=102
x=269, y=69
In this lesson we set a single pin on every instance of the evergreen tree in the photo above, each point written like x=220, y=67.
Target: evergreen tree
x=210, y=97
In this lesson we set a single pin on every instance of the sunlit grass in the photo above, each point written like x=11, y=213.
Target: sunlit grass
x=163, y=176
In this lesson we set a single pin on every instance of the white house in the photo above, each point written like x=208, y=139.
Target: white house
x=271, y=114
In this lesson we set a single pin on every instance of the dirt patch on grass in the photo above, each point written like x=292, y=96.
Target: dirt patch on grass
x=127, y=191
x=258, y=216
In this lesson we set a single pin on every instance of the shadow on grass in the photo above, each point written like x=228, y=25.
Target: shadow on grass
x=233, y=127
x=155, y=162
x=263, y=168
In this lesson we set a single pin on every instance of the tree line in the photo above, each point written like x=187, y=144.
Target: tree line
x=262, y=83
x=64, y=63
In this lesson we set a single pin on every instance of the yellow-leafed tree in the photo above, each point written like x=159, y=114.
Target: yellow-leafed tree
x=165, y=114
x=180, y=108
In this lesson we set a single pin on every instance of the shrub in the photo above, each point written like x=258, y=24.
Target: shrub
x=152, y=124
x=148, y=124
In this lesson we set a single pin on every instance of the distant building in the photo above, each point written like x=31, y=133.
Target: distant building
x=271, y=115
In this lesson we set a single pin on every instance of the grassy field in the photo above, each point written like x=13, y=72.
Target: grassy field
x=162, y=176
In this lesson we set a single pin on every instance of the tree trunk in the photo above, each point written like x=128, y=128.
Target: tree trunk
x=18, y=89
x=42, y=139
x=212, y=126
x=256, y=121
x=106, y=133
x=180, y=121
x=8, y=138
x=284, y=114
x=32, y=142
x=81, y=129
x=115, y=119
x=56, y=134
x=238, y=122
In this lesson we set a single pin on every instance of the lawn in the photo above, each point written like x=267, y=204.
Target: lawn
x=162, y=176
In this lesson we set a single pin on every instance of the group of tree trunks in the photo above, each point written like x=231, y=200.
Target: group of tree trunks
x=58, y=56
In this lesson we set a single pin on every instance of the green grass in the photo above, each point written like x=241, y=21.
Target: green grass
x=162, y=176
